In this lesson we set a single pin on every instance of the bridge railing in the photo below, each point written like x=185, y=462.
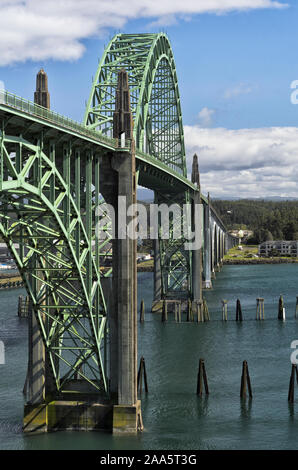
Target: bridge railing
x=26, y=106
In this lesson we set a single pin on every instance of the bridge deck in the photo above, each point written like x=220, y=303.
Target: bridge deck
x=26, y=115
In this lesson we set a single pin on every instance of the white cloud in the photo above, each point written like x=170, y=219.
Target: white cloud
x=245, y=162
x=205, y=116
x=2, y=85
x=237, y=90
x=39, y=30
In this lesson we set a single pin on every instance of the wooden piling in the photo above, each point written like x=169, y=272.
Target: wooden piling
x=239, y=316
x=292, y=383
x=281, y=308
x=142, y=374
x=179, y=312
x=245, y=381
x=142, y=311
x=260, y=314
x=164, y=316
x=224, y=310
x=199, y=311
x=206, y=313
x=190, y=316
x=202, y=378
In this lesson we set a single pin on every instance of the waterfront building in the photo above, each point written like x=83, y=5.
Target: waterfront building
x=279, y=248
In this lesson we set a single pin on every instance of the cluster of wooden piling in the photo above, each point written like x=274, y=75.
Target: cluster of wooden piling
x=202, y=380
x=196, y=311
x=260, y=310
x=239, y=315
x=11, y=284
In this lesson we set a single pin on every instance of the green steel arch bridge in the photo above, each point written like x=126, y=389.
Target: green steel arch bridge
x=54, y=174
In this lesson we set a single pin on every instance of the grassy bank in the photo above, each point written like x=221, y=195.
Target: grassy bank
x=247, y=256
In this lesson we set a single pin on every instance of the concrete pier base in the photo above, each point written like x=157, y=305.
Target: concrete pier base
x=127, y=419
x=35, y=418
x=82, y=416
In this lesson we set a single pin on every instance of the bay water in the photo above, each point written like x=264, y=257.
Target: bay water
x=175, y=418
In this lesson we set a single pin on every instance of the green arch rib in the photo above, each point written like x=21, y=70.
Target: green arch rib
x=155, y=101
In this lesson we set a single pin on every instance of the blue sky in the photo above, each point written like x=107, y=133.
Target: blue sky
x=235, y=66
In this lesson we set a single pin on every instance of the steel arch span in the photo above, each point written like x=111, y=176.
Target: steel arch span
x=157, y=130
x=41, y=213
x=155, y=102
x=54, y=176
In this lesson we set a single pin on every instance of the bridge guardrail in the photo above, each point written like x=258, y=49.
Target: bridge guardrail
x=14, y=101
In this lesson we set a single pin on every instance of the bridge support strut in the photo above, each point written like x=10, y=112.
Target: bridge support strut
x=127, y=411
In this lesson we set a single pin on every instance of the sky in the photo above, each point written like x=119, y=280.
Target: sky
x=236, y=61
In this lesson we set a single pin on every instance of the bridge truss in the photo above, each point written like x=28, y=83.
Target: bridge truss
x=50, y=189
x=158, y=131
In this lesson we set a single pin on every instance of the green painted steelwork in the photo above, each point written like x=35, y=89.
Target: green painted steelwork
x=27, y=109
x=155, y=101
x=41, y=211
x=158, y=131
x=50, y=201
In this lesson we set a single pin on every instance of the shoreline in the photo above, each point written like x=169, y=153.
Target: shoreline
x=240, y=261
x=261, y=261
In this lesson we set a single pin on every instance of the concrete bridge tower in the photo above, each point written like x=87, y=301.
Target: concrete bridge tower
x=42, y=95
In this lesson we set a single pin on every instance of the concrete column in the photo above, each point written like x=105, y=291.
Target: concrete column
x=126, y=411
x=212, y=251
x=207, y=283
x=219, y=247
x=124, y=284
x=157, y=271
x=36, y=362
x=35, y=407
x=197, y=253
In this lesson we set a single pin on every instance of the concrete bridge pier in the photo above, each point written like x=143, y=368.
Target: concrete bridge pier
x=197, y=252
x=157, y=280
x=207, y=283
x=34, y=389
x=39, y=385
x=123, y=323
x=49, y=410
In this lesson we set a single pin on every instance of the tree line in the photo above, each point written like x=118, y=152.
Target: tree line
x=269, y=220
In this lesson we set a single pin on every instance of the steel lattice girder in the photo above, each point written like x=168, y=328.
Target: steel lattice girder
x=149, y=62
x=175, y=260
x=40, y=209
